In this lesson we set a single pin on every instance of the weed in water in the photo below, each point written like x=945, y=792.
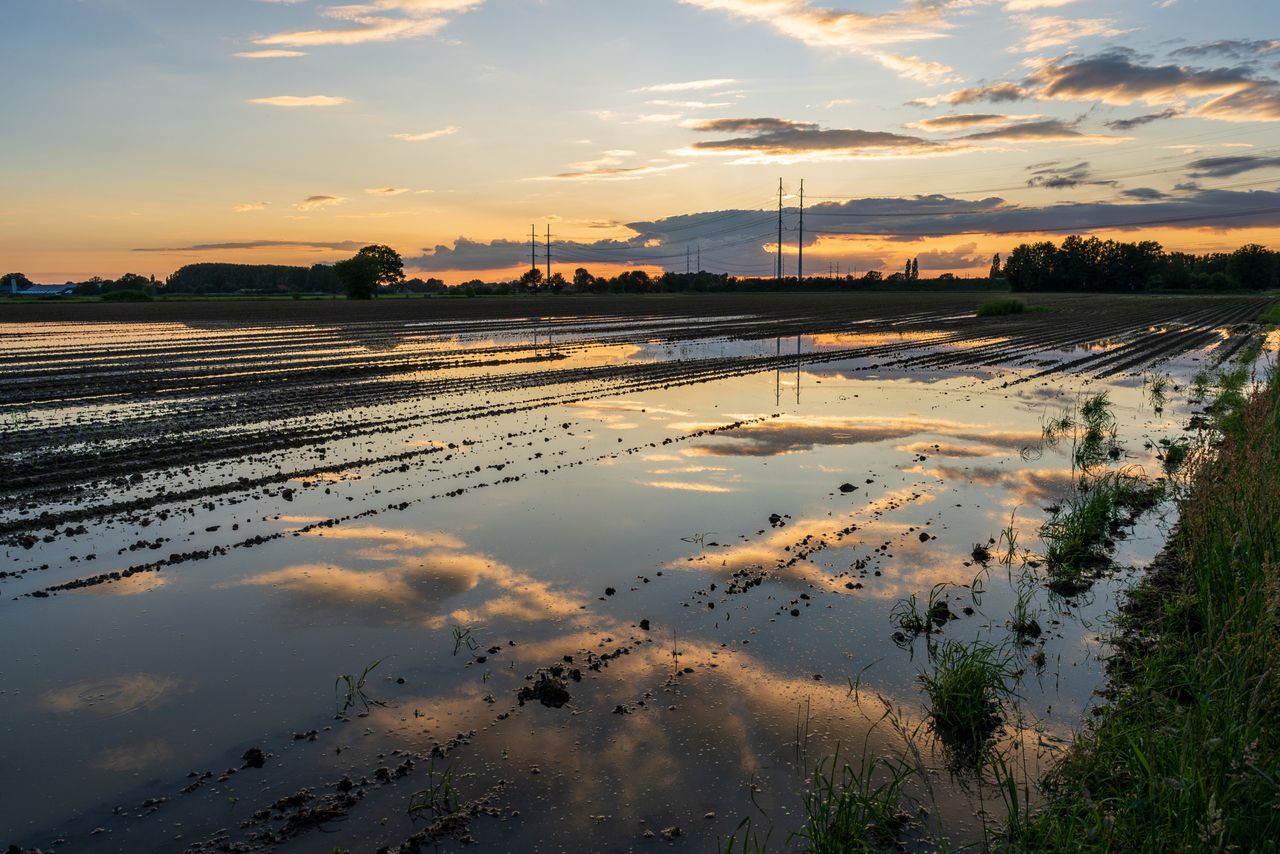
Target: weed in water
x=350, y=690
x=854, y=809
x=439, y=798
x=462, y=637
x=966, y=689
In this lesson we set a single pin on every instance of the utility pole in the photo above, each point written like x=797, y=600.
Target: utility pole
x=686, y=260
x=800, y=263
x=533, y=247
x=548, y=254
x=699, y=257
x=779, y=231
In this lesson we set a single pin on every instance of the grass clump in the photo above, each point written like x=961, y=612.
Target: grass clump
x=966, y=690
x=1002, y=308
x=1185, y=756
x=1271, y=315
x=1080, y=535
x=853, y=809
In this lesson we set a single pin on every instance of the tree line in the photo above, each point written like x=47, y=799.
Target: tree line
x=1087, y=264
x=1080, y=264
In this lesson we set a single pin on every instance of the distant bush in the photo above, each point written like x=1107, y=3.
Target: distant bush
x=1002, y=308
x=127, y=296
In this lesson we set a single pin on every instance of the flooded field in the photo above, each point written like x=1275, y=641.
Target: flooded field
x=619, y=576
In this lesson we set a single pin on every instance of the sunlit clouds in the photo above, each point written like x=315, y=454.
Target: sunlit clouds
x=376, y=21
x=301, y=101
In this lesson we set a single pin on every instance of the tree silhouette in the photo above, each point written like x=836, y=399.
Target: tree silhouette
x=359, y=276
x=389, y=265
x=995, y=266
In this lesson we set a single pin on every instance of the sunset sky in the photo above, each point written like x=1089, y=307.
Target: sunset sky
x=142, y=135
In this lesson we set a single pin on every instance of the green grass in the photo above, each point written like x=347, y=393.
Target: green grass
x=1002, y=308
x=1185, y=756
x=1272, y=314
x=853, y=809
x=967, y=688
x=1078, y=537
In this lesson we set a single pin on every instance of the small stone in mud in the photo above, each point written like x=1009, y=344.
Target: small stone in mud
x=846, y=488
x=644, y=625
x=670, y=833
x=924, y=537
x=609, y=591
x=795, y=612
x=254, y=758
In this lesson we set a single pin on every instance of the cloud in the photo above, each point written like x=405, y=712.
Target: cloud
x=742, y=239
x=610, y=166
x=1055, y=176
x=786, y=140
x=995, y=93
x=376, y=21
x=859, y=33
x=251, y=206
x=1144, y=194
x=964, y=121
x=1226, y=167
x=311, y=203
x=689, y=85
x=1031, y=5
x=428, y=135
x=1138, y=121
x=270, y=54
x=1116, y=78
x=1050, y=31
x=387, y=191
x=1045, y=130
x=301, y=101
x=328, y=245
x=1236, y=48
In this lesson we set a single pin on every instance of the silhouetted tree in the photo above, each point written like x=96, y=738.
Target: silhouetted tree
x=1254, y=267
x=995, y=266
x=582, y=279
x=387, y=263
x=556, y=282
x=531, y=279
x=915, y=269
x=12, y=279
x=359, y=276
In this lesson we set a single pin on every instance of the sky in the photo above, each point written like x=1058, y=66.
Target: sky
x=142, y=135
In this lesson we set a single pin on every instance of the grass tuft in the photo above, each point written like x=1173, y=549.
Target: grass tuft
x=1002, y=308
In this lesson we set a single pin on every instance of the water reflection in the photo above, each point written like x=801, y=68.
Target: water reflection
x=791, y=434
x=411, y=577
x=113, y=697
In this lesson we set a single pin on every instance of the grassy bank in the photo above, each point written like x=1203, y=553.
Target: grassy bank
x=1185, y=755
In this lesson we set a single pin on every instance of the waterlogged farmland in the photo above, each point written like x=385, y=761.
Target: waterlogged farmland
x=616, y=576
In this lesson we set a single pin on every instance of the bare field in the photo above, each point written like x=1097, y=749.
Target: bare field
x=615, y=565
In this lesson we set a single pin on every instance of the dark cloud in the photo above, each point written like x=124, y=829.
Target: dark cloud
x=1238, y=48
x=1056, y=176
x=1117, y=77
x=964, y=121
x=1047, y=129
x=783, y=137
x=995, y=93
x=1144, y=194
x=1226, y=167
x=1138, y=121
x=327, y=245
x=735, y=240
